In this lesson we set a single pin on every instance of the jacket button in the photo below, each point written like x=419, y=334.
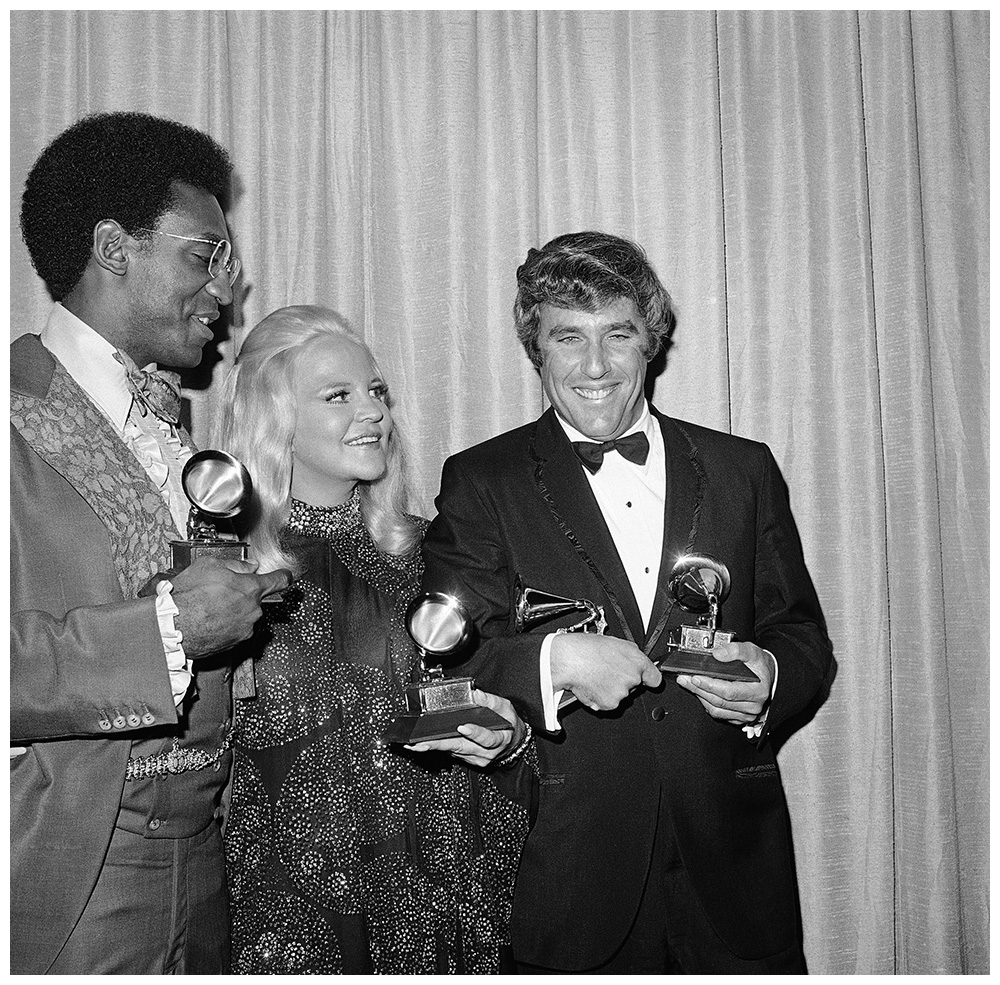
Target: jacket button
x=119, y=721
x=133, y=719
x=147, y=718
x=104, y=724
x=155, y=823
x=658, y=713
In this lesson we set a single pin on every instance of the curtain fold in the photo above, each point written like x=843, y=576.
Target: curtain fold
x=813, y=189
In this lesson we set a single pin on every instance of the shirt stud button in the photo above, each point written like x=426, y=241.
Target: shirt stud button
x=658, y=713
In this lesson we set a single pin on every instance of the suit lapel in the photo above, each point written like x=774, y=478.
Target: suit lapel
x=562, y=484
x=59, y=422
x=684, y=493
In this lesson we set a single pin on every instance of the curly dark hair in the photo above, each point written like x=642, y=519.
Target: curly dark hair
x=119, y=166
x=584, y=272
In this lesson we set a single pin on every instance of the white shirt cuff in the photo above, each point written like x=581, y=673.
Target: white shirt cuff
x=177, y=663
x=754, y=731
x=550, y=698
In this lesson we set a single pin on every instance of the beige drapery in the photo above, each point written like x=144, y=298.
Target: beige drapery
x=812, y=188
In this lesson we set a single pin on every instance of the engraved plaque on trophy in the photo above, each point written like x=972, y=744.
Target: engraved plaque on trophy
x=439, y=626
x=700, y=584
x=218, y=487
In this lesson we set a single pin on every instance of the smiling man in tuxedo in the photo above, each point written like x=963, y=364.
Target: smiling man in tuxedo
x=662, y=837
x=120, y=700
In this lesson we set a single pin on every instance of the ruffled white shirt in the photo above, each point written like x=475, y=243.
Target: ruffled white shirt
x=90, y=359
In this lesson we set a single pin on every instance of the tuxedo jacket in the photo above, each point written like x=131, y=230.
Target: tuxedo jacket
x=520, y=506
x=87, y=662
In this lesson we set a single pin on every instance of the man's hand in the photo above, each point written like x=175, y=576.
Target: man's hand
x=480, y=746
x=218, y=602
x=600, y=670
x=738, y=702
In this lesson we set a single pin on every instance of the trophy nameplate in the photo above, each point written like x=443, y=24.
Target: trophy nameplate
x=700, y=584
x=218, y=487
x=439, y=626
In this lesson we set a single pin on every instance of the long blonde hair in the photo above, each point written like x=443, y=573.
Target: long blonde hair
x=258, y=422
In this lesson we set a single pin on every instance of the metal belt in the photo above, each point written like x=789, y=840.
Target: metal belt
x=178, y=760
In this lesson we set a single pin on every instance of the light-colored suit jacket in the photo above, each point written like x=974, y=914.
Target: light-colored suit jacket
x=88, y=530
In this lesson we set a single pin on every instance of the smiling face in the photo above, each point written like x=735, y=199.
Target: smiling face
x=594, y=366
x=342, y=422
x=171, y=300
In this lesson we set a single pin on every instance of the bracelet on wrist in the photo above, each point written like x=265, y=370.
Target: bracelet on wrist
x=519, y=750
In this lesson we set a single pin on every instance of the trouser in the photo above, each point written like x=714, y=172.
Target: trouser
x=672, y=935
x=160, y=906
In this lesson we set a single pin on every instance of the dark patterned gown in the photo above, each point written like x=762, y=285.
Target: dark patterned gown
x=345, y=856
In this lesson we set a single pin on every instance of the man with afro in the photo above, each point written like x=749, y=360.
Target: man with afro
x=120, y=692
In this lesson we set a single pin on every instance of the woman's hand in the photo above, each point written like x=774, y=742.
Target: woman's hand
x=480, y=746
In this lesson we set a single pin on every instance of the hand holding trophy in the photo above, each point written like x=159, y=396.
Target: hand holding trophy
x=700, y=584
x=533, y=605
x=218, y=486
x=436, y=705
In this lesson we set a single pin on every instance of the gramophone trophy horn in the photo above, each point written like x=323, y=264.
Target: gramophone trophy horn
x=699, y=583
x=532, y=605
x=439, y=626
x=218, y=487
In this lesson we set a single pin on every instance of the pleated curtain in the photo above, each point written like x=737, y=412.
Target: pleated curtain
x=813, y=189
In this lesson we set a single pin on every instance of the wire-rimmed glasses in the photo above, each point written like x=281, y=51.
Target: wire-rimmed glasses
x=222, y=258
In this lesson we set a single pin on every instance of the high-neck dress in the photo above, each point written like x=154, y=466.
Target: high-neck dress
x=343, y=855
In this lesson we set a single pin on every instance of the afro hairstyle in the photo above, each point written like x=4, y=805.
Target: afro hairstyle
x=119, y=166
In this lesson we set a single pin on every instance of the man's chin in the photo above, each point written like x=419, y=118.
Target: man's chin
x=188, y=358
x=601, y=429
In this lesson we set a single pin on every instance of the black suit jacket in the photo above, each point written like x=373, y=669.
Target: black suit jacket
x=520, y=505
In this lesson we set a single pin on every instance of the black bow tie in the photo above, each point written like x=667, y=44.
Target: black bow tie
x=634, y=447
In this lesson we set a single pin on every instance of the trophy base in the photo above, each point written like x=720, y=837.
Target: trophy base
x=692, y=654
x=705, y=665
x=435, y=707
x=184, y=552
x=411, y=728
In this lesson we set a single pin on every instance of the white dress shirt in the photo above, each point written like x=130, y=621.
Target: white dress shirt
x=90, y=359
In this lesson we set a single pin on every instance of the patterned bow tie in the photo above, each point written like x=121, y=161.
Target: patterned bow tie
x=634, y=447
x=157, y=392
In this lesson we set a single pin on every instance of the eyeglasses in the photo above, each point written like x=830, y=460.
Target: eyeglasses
x=221, y=259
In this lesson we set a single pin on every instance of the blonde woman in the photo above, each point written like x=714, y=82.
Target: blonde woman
x=345, y=856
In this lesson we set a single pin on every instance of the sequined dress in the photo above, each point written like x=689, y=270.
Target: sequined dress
x=344, y=856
